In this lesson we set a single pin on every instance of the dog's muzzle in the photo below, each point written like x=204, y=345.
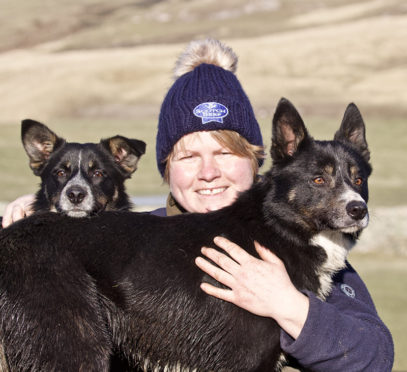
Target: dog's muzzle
x=357, y=210
x=76, y=194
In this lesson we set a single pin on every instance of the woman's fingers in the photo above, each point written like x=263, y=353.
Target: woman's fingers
x=221, y=276
x=241, y=256
x=265, y=254
x=234, y=250
x=221, y=259
x=221, y=293
x=12, y=214
x=215, y=272
x=19, y=208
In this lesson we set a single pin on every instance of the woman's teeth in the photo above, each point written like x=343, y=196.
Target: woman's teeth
x=211, y=191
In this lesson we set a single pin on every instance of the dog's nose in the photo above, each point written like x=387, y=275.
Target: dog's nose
x=357, y=210
x=76, y=194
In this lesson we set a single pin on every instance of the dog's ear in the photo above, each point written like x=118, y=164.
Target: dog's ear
x=39, y=142
x=353, y=130
x=125, y=151
x=288, y=131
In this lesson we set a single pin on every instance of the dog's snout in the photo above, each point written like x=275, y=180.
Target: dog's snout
x=76, y=194
x=357, y=210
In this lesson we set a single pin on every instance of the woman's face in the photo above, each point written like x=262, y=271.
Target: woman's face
x=205, y=176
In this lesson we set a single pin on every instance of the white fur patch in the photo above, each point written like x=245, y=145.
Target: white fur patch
x=350, y=195
x=88, y=201
x=148, y=366
x=82, y=209
x=336, y=246
x=282, y=361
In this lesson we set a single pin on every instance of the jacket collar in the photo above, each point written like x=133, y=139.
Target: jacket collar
x=172, y=207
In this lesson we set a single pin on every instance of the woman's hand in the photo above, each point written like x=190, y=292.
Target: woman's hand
x=19, y=208
x=261, y=286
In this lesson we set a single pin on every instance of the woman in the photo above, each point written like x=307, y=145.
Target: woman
x=209, y=148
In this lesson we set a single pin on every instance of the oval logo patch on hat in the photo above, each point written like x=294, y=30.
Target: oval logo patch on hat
x=211, y=111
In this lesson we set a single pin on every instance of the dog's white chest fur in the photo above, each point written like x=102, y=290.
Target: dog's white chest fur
x=336, y=246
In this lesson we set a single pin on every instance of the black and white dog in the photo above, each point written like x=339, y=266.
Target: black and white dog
x=73, y=290
x=80, y=179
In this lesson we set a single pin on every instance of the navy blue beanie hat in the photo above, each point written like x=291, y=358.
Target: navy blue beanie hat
x=205, y=96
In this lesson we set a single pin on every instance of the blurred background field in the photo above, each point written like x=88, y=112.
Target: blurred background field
x=95, y=68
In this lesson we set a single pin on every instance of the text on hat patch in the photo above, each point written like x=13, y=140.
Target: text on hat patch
x=211, y=111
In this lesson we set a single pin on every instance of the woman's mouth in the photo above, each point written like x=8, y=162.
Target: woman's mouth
x=211, y=192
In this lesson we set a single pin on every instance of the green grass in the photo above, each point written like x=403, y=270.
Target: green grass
x=386, y=277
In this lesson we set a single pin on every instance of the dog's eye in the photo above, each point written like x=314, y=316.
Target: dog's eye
x=97, y=174
x=61, y=173
x=358, y=181
x=319, y=180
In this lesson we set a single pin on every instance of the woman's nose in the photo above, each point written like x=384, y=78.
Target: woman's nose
x=209, y=169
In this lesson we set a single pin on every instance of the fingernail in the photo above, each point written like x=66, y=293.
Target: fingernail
x=217, y=239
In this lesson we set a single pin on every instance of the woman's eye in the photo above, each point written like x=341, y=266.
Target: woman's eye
x=224, y=154
x=319, y=180
x=184, y=157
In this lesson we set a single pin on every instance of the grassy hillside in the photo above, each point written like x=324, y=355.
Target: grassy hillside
x=105, y=24
x=95, y=58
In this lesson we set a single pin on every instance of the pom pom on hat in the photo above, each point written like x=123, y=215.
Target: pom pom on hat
x=209, y=51
x=206, y=95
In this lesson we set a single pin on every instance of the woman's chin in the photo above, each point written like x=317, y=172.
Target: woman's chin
x=210, y=203
x=216, y=205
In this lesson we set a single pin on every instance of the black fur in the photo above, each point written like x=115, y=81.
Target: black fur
x=73, y=290
x=80, y=179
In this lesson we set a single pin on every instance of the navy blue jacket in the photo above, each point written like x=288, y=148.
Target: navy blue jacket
x=343, y=333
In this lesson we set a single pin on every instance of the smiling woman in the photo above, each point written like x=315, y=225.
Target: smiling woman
x=206, y=175
x=209, y=145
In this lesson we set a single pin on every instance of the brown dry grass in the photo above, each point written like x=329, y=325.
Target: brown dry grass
x=321, y=58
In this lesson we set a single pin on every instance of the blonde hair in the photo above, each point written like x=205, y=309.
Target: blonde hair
x=233, y=141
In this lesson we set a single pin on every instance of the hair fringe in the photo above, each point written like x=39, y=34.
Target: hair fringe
x=210, y=51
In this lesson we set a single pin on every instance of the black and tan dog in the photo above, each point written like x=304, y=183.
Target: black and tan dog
x=80, y=179
x=74, y=290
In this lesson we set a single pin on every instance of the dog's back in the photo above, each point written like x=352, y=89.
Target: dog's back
x=126, y=281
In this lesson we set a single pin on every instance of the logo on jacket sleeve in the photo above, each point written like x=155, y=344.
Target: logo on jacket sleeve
x=348, y=290
x=211, y=111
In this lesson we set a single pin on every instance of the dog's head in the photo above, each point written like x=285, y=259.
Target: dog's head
x=324, y=183
x=80, y=179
